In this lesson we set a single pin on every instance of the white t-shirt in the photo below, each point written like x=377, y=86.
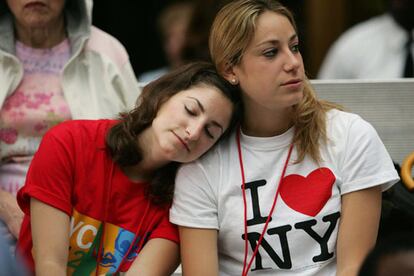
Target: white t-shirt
x=373, y=49
x=301, y=236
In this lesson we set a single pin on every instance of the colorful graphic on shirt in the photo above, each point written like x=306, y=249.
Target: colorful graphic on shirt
x=308, y=195
x=85, y=238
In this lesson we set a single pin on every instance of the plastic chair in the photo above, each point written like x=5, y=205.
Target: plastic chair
x=406, y=168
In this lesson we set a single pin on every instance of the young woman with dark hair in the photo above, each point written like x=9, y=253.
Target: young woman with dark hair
x=102, y=188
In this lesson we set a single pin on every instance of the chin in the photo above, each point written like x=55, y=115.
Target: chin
x=170, y=154
x=180, y=159
x=174, y=155
x=35, y=23
x=295, y=98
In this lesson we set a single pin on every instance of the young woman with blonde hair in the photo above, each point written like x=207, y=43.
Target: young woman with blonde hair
x=296, y=190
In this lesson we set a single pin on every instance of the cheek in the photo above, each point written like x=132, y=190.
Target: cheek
x=253, y=90
x=257, y=80
x=166, y=119
x=159, y=124
x=203, y=146
x=57, y=5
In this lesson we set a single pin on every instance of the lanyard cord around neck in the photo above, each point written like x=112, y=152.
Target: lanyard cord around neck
x=107, y=199
x=246, y=266
x=141, y=241
x=102, y=238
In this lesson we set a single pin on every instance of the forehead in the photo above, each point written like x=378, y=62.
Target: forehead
x=272, y=25
x=201, y=92
x=216, y=106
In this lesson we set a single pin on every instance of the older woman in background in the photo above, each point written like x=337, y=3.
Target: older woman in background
x=54, y=66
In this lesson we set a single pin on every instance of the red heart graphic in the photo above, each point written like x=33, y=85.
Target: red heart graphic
x=308, y=195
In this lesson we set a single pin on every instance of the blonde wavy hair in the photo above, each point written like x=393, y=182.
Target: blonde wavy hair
x=231, y=32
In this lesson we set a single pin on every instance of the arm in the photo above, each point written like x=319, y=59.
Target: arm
x=50, y=234
x=199, y=251
x=10, y=212
x=358, y=228
x=158, y=257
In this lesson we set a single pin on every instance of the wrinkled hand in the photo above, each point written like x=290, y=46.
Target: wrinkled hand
x=15, y=222
x=10, y=213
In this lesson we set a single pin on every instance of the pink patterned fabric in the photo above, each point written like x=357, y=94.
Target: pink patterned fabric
x=35, y=106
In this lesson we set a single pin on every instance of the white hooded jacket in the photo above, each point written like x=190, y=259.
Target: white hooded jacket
x=98, y=80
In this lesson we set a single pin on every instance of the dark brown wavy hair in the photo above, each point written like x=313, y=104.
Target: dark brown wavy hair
x=122, y=137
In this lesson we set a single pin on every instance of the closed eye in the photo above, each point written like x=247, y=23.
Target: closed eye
x=214, y=130
x=209, y=135
x=190, y=111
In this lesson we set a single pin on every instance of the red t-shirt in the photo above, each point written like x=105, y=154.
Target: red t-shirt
x=73, y=172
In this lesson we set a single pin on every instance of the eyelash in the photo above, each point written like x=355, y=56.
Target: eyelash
x=193, y=113
x=273, y=52
x=295, y=48
x=189, y=111
x=270, y=53
x=209, y=133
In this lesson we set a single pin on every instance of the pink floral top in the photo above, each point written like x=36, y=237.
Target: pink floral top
x=37, y=104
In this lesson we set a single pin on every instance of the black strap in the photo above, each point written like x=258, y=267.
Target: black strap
x=409, y=63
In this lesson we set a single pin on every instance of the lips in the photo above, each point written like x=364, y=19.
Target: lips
x=182, y=141
x=293, y=81
x=35, y=4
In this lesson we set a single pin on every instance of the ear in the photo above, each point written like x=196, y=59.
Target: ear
x=228, y=73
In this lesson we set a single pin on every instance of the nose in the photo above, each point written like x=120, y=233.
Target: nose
x=194, y=130
x=293, y=61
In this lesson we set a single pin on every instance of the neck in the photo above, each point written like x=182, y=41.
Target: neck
x=151, y=159
x=41, y=37
x=262, y=123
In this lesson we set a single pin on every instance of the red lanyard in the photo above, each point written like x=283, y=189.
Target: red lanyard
x=246, y=266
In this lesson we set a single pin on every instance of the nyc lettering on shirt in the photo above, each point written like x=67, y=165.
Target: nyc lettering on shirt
x=86, y=236
x=278, y=236
x=84, y=231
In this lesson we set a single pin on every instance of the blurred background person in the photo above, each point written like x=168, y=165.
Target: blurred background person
x=379, y=48
x=144, y=41
x=196, y=43
x=393, y=256
x=185, y=27
x=54, y=66
x=172, y=24
x=8, y=264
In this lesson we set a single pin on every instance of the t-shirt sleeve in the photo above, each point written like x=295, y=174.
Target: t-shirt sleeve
x=366, y=161
x=194, y=203
x=165, y=230
x=50, y=174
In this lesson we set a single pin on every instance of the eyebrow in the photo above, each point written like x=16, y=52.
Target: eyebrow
x=276, y=41
x=203, y=110
x=198, y=102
